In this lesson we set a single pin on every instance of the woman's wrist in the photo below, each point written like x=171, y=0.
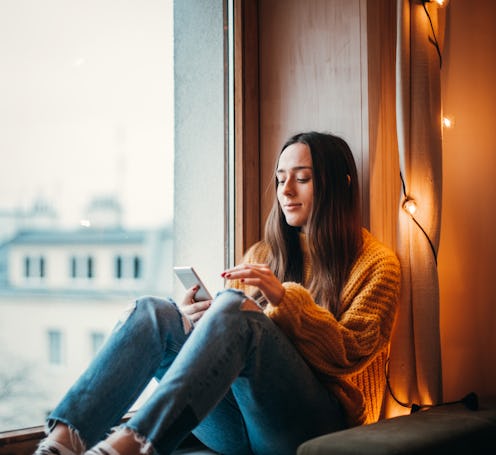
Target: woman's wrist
x=278, y=296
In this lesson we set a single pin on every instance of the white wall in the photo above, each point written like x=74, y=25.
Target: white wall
x=199, y=185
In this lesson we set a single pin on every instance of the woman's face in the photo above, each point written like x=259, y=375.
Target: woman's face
x=295, y=184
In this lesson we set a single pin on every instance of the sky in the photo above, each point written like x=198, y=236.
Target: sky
x=86, y=106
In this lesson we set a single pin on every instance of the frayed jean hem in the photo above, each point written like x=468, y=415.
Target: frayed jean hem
x=77, y=441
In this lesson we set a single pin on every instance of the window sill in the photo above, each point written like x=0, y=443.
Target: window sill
x=25, y=441
x=20, y=442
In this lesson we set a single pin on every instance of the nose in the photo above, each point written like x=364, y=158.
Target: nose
x=288, y=187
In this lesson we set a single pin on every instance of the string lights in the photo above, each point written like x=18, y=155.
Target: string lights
x=448, y=121
x=440, y=3
x=409, y=204
x=434, y=37
x=470, y=401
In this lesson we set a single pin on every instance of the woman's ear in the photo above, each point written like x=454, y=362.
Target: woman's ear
x=348, y=179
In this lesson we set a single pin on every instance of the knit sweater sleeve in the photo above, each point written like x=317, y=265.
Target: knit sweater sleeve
x=344, y=346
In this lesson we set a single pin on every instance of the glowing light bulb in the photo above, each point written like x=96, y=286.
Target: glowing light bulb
x=438, y=3
x=448, y=121
x=410, y=206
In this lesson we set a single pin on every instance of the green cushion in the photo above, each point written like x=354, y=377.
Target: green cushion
x=449, y=429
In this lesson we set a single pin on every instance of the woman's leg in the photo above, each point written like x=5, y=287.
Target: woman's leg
x=224, y=428
x=278, y=401
x=145, y=343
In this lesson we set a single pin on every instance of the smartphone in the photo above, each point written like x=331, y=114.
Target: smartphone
x=188, y=277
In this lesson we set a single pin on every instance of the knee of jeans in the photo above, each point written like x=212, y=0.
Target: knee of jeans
x=161, y=308
x=149, y=303
x=164, y=310
x=233, y=300
x=143, y=307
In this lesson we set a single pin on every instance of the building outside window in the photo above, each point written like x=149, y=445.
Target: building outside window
x=81, y=267
x=34, y=267
x=111, y=139
x=128, y=267
x=136, y=267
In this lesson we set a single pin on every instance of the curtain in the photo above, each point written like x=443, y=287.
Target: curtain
x=415, y=359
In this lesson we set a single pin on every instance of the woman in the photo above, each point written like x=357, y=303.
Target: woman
x=302, y=355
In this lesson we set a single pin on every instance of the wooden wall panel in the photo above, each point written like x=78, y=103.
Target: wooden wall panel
x=468, y=244
x=313, y=74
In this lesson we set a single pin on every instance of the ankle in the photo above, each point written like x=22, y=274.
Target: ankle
x=52, y=447
x=67, y=437
x=102, y=448
x=125, y=442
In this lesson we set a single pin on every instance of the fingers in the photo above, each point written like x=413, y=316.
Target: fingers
x=189, y=296
x=260, y=276
x=243, y=271
x=194, y=310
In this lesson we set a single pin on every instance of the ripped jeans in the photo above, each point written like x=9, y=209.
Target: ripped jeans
x=235, y=381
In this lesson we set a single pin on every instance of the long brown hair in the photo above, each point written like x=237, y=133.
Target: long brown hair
x=334, y=225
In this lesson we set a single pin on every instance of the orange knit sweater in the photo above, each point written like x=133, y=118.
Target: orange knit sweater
x=348, y=354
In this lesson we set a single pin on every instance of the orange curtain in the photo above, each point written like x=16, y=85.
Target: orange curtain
x=415, y=361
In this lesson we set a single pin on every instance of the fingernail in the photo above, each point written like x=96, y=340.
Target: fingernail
x=228, y=275
x=223, y=274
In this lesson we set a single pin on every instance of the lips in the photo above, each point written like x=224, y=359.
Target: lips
x=292, y=206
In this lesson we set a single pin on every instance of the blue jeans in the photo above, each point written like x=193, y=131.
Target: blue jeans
x=235, y=381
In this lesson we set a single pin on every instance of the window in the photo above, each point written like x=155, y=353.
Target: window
x=27, y=267
x=127, y=267
x=118, y=267
x=136, y=267
x=115, y=129
x=81, y=267
x=96, y=342
x=55, y=347
x=34, y=267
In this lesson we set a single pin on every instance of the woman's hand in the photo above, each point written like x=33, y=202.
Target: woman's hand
x=260, y=276
x=194, y=310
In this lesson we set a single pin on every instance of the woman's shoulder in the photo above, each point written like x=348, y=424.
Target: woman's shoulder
x=258, y=252
x=375, y=251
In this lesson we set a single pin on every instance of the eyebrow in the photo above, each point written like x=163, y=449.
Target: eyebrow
x=296, y=168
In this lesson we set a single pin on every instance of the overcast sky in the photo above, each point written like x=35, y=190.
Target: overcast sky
x=86, y=105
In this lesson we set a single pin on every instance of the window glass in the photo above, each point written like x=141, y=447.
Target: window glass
x=109, y=138
x=96, y=341
x=55, y=346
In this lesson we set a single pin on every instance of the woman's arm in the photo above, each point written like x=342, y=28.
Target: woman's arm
x=342, y=347
x=338, y=347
